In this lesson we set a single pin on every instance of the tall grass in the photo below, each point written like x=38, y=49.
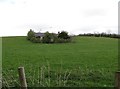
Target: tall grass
x=44, y=76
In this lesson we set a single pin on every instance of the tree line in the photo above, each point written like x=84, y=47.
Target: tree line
x=101, y=35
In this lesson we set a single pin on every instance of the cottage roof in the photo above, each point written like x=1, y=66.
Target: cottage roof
x=39, y=34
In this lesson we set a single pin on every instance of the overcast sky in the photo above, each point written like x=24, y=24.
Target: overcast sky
x=74, y=16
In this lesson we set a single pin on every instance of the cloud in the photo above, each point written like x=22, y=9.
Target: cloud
x=95, y=12
x=8, y=1
x=13, y=2
x=3, y=0
x=35, y=27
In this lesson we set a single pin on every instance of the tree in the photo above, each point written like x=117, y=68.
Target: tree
x=30, y=34
x=47, y=38
x=63, y=35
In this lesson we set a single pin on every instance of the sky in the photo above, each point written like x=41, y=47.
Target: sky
x=17, y=17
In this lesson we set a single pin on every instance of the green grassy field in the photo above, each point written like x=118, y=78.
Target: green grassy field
x=89, y=61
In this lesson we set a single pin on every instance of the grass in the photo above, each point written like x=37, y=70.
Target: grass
x=89, y=61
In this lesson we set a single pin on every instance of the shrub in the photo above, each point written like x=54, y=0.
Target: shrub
x=35, y=40
x=53, y=38
x=47, y=38
x=61, y=40
x=30, y=34
x=63, y=35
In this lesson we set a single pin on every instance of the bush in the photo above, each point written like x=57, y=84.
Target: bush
x=35, y=40
x=61, y=40
x=47, y=38
x=63, y=35
x=30, y=34
x=53, y=38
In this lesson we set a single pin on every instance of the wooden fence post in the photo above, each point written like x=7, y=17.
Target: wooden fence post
x=117, y=79
x=22, y=78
